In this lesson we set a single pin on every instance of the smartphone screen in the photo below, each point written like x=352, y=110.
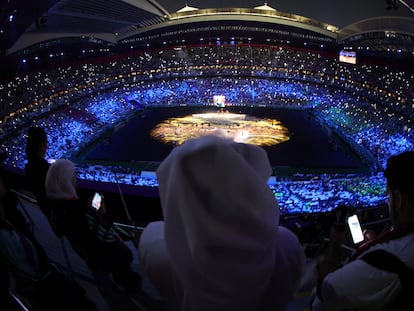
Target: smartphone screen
x=96, y=200
x=355, y=228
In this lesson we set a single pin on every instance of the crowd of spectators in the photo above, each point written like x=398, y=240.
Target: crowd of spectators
x=368, y=105
x=263, y=61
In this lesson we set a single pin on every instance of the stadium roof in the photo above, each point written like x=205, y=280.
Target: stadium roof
x=399, y=25
x=24, y=23
x=41, y=20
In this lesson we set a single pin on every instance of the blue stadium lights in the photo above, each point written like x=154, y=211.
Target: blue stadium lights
x=24, y=61
x=11, y=17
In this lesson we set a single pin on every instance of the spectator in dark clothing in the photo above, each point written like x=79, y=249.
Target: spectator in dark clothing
x=378, y=274
x=19, y=222
x=26, y=269
x=37, y=166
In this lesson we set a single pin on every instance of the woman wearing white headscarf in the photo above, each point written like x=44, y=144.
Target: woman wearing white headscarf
x=220, y=246
x=61, y=181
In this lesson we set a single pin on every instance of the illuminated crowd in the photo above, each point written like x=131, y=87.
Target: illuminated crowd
x=367, y=105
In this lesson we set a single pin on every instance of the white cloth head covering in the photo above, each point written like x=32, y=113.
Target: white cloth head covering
x=61, y=180
x=221, y=223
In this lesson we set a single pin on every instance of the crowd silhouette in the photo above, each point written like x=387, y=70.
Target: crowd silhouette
x=353, y=101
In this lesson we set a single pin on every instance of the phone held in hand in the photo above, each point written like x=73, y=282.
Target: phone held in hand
x=97, y=201
x=355, y=229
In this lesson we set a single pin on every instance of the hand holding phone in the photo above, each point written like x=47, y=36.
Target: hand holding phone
x=355, y=229
x=97, y=201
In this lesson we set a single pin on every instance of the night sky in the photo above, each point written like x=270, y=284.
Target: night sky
x=335, y=12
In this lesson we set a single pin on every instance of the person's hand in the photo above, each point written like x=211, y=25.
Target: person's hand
x=332, y=258
x=103, y=206
x=369, y=234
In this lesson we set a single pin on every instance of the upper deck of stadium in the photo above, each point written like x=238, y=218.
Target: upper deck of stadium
x=108, y=27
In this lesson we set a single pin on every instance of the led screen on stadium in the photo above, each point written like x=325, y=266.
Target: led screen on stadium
x=347, y=57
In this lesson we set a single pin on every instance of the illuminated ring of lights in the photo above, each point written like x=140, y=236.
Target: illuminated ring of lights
x=238, y=127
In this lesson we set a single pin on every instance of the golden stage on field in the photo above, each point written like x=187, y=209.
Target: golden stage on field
x=238, y=127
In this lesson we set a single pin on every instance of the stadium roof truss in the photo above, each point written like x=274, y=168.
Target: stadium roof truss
x=115, y=21
x=104, y=20
x=380, y=34
x=378, y=24
x=243, y=14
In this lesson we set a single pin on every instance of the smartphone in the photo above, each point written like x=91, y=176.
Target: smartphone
x=97, y=201
x=355, y=229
